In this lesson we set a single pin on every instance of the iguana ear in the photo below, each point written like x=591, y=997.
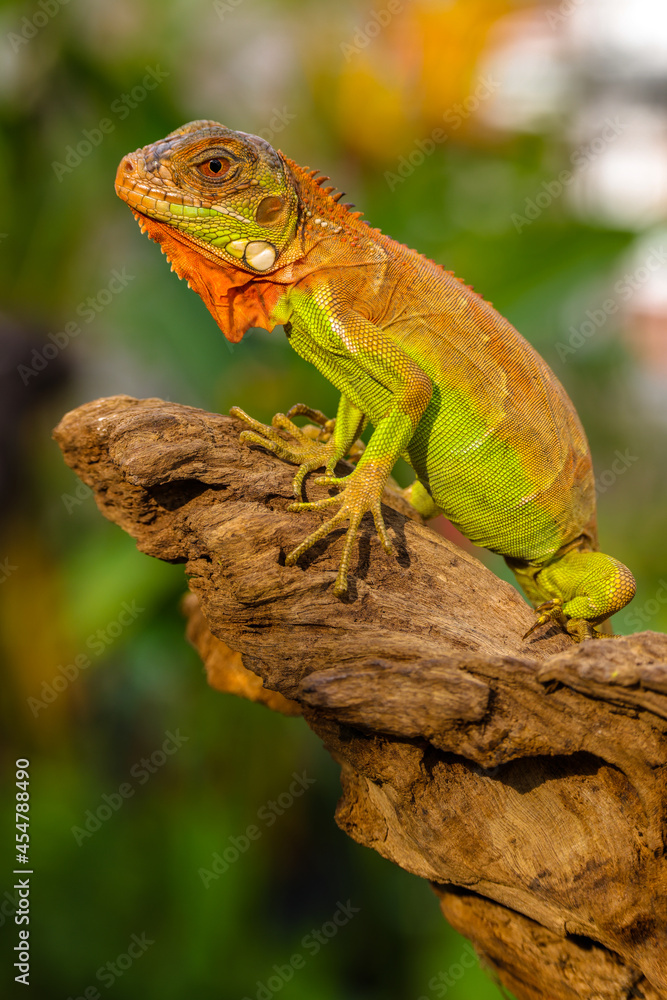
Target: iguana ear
x=236, y=299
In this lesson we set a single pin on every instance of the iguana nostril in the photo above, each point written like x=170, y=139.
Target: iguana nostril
x=128, y=166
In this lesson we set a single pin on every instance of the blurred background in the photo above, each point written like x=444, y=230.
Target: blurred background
x=521, y=144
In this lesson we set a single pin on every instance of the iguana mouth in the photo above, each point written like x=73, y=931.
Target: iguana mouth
x=151, y=200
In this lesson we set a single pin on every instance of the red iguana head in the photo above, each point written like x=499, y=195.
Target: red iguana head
x=224, y=208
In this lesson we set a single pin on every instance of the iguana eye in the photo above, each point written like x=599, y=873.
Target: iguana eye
x=214, y=168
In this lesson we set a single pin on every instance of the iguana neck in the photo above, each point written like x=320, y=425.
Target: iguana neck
x=236, y=299
x=239, y=300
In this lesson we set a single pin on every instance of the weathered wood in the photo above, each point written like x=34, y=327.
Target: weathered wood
x=525, y=780
x=224, y=666
x=527, y=957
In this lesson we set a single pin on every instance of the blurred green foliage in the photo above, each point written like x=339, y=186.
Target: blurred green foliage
x=65, y=234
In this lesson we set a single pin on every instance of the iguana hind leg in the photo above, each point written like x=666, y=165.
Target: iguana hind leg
x=418, y=496
x=582, y=590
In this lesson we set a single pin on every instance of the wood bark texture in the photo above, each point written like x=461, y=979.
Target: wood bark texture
x=524, y=780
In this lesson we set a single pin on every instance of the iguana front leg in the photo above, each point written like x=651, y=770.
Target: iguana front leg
x=361, y=493
x=308, y=448
x=376, y=378
x=372, y=370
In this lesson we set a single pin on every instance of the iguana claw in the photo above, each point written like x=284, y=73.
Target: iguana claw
x=578, y=628
x=361, y=493
x=311, y=449
x=301, y=410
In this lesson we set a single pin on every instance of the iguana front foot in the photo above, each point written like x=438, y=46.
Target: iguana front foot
x=362, y=492
x=578, y=628
x=310, y=448
x=326, y=423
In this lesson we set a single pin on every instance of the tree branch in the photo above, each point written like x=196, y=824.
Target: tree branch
x=526, y=781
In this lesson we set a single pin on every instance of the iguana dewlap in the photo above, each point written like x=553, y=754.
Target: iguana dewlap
x=446, y=382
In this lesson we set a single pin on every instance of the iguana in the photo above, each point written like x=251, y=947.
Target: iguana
x=445, y=380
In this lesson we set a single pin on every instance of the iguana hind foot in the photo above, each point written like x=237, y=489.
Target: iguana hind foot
x=552, y=612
